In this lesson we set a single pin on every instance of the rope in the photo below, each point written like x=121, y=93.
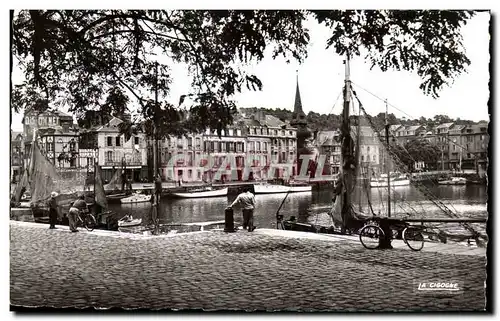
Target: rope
x=421, y=188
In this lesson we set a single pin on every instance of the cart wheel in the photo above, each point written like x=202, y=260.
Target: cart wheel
x=413, y=238
x=370, y=235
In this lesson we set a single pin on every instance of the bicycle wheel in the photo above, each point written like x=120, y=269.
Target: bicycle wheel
x=90, y=222
x=413, y=238
x=370, y=235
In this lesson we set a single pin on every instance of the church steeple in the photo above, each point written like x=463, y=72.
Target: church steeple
x=298, y=116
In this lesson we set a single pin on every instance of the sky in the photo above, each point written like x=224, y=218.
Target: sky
x=321, y=78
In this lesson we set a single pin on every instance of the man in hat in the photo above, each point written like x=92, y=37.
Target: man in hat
x=53, y=210
x=78, y=206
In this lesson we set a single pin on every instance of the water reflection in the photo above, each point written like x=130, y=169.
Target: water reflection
x=466, y=200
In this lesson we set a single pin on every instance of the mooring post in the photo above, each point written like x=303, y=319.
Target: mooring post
x=229, y=220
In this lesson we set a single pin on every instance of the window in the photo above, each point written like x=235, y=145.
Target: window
x=118, y=141
x=264, y=146
x=291, y=133
x=136, y=140
x=373, y=158
x=368, y=149
x=109, y=141
x=109, y=155
x=50, y=147
x=190, y=173
x=258, y=146
x=261, y=131
x=72, y=146
x=481, y=137
x=362, y=158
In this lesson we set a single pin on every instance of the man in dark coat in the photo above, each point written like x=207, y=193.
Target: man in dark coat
x=53, y=210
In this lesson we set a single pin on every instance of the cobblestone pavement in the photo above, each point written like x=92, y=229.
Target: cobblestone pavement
x=241, y=271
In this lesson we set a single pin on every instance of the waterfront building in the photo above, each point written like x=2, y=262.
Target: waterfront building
x=16, y=155
x=48, y=119
x=115, y=152
x=328, y=143
x=272, y=147
x=178, y=157
x=468, y=147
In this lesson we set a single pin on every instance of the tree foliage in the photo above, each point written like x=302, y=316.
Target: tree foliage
x=416, y=150
x=98, y=62
x=425, y=41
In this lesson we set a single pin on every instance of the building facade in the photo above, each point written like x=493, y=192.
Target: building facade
x=115, y=152
x=328, y=144
x=16, y=155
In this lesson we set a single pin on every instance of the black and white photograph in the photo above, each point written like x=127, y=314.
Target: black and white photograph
x=214, y=160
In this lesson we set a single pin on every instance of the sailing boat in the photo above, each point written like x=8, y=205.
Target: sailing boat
x=114, y=184
x=342, y=213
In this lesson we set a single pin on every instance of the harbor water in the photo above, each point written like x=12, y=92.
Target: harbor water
x=310, y=207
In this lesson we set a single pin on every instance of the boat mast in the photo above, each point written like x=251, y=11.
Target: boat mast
x=347, y=145
x=387, y=162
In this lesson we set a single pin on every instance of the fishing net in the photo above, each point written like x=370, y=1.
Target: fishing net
x=21, y=187
x=116, y=181
x=367, y=158
x=45, y=179
x=100, y=195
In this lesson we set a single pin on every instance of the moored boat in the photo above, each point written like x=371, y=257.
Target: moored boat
x=202, y=192
x=274, y=188
x=136, y=198
x=453, y=181
x=397, y=180
x=116, y=198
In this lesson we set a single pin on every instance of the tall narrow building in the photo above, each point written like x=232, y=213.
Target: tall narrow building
x=299, y=121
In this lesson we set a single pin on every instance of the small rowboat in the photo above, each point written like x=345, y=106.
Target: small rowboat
x=128, y=221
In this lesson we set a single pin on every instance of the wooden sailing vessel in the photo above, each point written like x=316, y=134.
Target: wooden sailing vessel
x=344, y=217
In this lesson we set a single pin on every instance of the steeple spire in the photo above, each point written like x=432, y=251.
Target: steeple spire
x=298, y=115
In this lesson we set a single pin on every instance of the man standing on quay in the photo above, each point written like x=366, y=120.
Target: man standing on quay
x=53, y=210
x=247, y=202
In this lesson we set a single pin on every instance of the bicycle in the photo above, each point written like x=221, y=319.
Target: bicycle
x=371, y=233
x=88, y=221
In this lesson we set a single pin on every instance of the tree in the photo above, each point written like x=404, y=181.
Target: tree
x=422, y=150
x=80, y=57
